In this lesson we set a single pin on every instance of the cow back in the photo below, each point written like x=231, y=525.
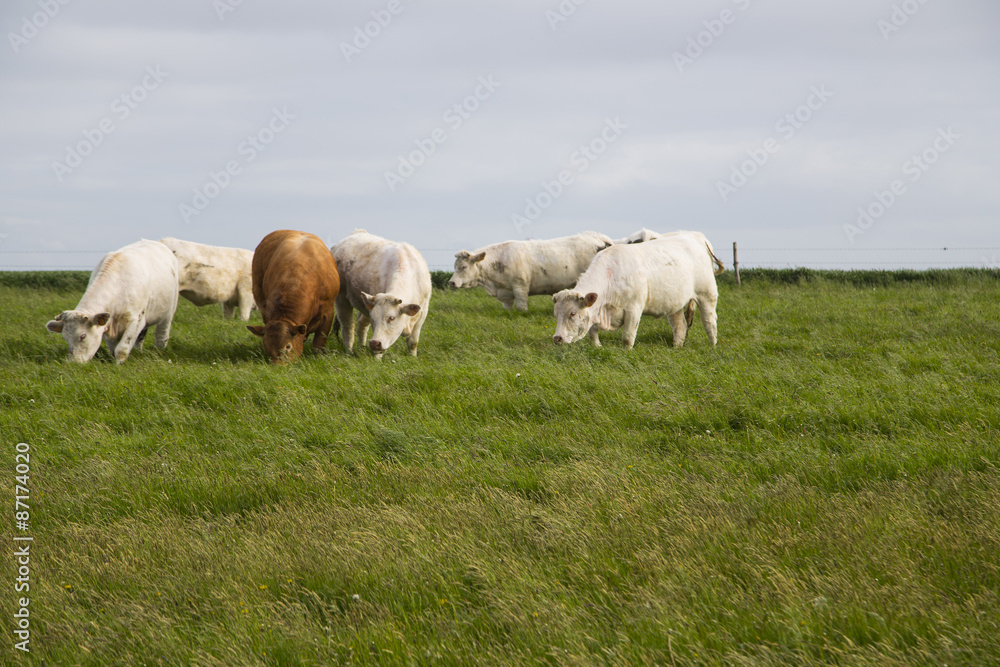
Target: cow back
x=294, y=276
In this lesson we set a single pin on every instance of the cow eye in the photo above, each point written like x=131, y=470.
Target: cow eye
x=392, y=317
x=288, y=348
x=83, y=336
x=573, y=314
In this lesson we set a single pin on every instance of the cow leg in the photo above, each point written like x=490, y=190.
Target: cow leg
x=345, y=316
x=228, y=310
x=246, y=304
x=112, y=344
x=363, y=323
x=594, y=337
x=709, y=319
x=506, y=297
x=163, y=332
x=678, y=322
x=130, y=335
x=630, y=325
x=321, y=336
x=521, y=298
x=414, y=336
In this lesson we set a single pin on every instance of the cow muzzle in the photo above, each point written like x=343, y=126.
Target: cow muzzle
x=558, y=340
x=452, y=284
x=375, y=346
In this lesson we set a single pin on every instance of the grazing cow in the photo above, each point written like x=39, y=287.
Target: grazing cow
x=640, y=236
x=514, y=270
x=667, y=276
x=131, y=289
x=213, y=274
x=295, y=285
x=390, y=286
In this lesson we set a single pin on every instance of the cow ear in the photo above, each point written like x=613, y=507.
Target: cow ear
x=368, y=300
x=55, y=326
x=590, y=299
x=411, y=309
x=478, y=257
x=299, y=330
x=256, y=330
x=100, y=319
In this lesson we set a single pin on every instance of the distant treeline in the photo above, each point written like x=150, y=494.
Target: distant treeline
x=862, y=278
x=77, y=280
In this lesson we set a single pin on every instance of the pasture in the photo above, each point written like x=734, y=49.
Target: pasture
x=822, y=487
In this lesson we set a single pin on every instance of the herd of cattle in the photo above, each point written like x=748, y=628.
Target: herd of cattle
x=301, y=287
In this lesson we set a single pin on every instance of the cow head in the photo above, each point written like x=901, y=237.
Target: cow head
x=574, y=315
x=468, y=269
x=283, y=341
x=389, y=317
x=82, y=332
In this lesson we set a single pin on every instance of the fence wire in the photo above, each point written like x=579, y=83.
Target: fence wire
x=442, y=259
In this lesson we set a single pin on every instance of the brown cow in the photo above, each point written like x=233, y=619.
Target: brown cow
x=295, y=285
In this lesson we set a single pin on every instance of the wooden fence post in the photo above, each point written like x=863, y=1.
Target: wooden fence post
x=736, y=264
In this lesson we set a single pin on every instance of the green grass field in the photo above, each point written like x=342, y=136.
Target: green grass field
x=822, y=487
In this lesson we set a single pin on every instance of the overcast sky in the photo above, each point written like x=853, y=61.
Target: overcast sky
x=457, y=124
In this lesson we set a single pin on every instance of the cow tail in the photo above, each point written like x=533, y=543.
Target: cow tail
x=719, y=266
x=689, y=312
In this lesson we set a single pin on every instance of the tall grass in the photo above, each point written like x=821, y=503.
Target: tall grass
x=821, y=487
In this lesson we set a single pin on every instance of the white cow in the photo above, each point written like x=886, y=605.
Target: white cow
x=390, y=286
x=130, y=290
x=640, y=236
x=514, y=270
x=666, y=276
x=213, y=274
